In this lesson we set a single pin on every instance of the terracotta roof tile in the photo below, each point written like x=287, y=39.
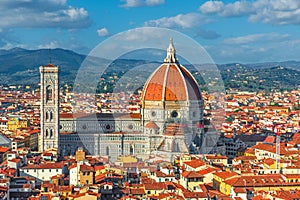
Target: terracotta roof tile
x=225, y=174
x=151, y=124
x=179, y=84
x=191, y=174
x=45, y=166
x=195, y=163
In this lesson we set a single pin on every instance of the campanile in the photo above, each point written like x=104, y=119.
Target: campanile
x=49, y=108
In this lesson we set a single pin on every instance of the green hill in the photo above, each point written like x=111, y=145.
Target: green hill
x=21, y=66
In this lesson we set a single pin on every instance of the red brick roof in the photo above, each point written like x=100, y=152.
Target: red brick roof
x=161, y=174
x=195, y=163
x=191, y=174
x=244, y=158
x=3, y=149
x=194, y=195
x=265, y=147
x=225, y=175
x=137, y=191
x=207, y=171
x=155, y=186
x=99, y=167
x=86, y=168
x=45, y=166
x=72, y=166
x=258, y=180
x=270, y=139
x=269, y=161
x=288, y=194
x=151, y=124
x=215, y=157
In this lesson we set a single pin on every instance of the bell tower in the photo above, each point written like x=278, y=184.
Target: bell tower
x=49, y=137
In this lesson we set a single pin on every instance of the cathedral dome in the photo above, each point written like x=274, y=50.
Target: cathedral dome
x=171, y=81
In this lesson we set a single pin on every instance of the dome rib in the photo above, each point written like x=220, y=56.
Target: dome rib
x=165, y=83
x=171, y=82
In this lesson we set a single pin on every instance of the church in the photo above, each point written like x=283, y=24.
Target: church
x=170, y=121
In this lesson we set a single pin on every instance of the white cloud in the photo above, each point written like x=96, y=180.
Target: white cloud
x=255, y=48
x=189, y=20
x=8, y=40
x=141, y=3
x=140, y=35
x=36, y=14
x=238, y=8
x=75, y=13
x=103, y=32
x=4, y=44
x=264, y=37
x=211, y=7
x=154, y=2
x=50, y=45
x=275, y=12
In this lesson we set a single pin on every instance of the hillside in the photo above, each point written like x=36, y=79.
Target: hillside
x=21, y=66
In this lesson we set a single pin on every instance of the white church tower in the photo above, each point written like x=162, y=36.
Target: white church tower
x=49, y=137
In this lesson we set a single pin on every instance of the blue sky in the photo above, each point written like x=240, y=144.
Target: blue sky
x=230, y=31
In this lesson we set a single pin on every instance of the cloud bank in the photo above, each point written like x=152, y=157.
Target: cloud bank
x=275, y=12
x=42, y=14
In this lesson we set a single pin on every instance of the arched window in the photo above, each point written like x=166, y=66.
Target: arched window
x=107, y=150
x=131, y=150
x=47, y=115
x=194, y=114
x=51, y=115
x=49, y=93
x=51, y=133
x=175, y=147
x=47, y=133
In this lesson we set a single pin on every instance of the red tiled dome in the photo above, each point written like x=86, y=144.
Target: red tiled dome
x=171, y=81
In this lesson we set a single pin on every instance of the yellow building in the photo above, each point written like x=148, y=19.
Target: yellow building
x=217, y=159
x=80, y=154
x=155, y=188
x=184, y=158
x=86, y=175
x=126, y=159
x=99, y=170
x=191, y=180
x=220, y=178
x=249, y=152
x=15, y=123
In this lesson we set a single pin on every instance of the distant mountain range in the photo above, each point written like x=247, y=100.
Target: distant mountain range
x=21, y=66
